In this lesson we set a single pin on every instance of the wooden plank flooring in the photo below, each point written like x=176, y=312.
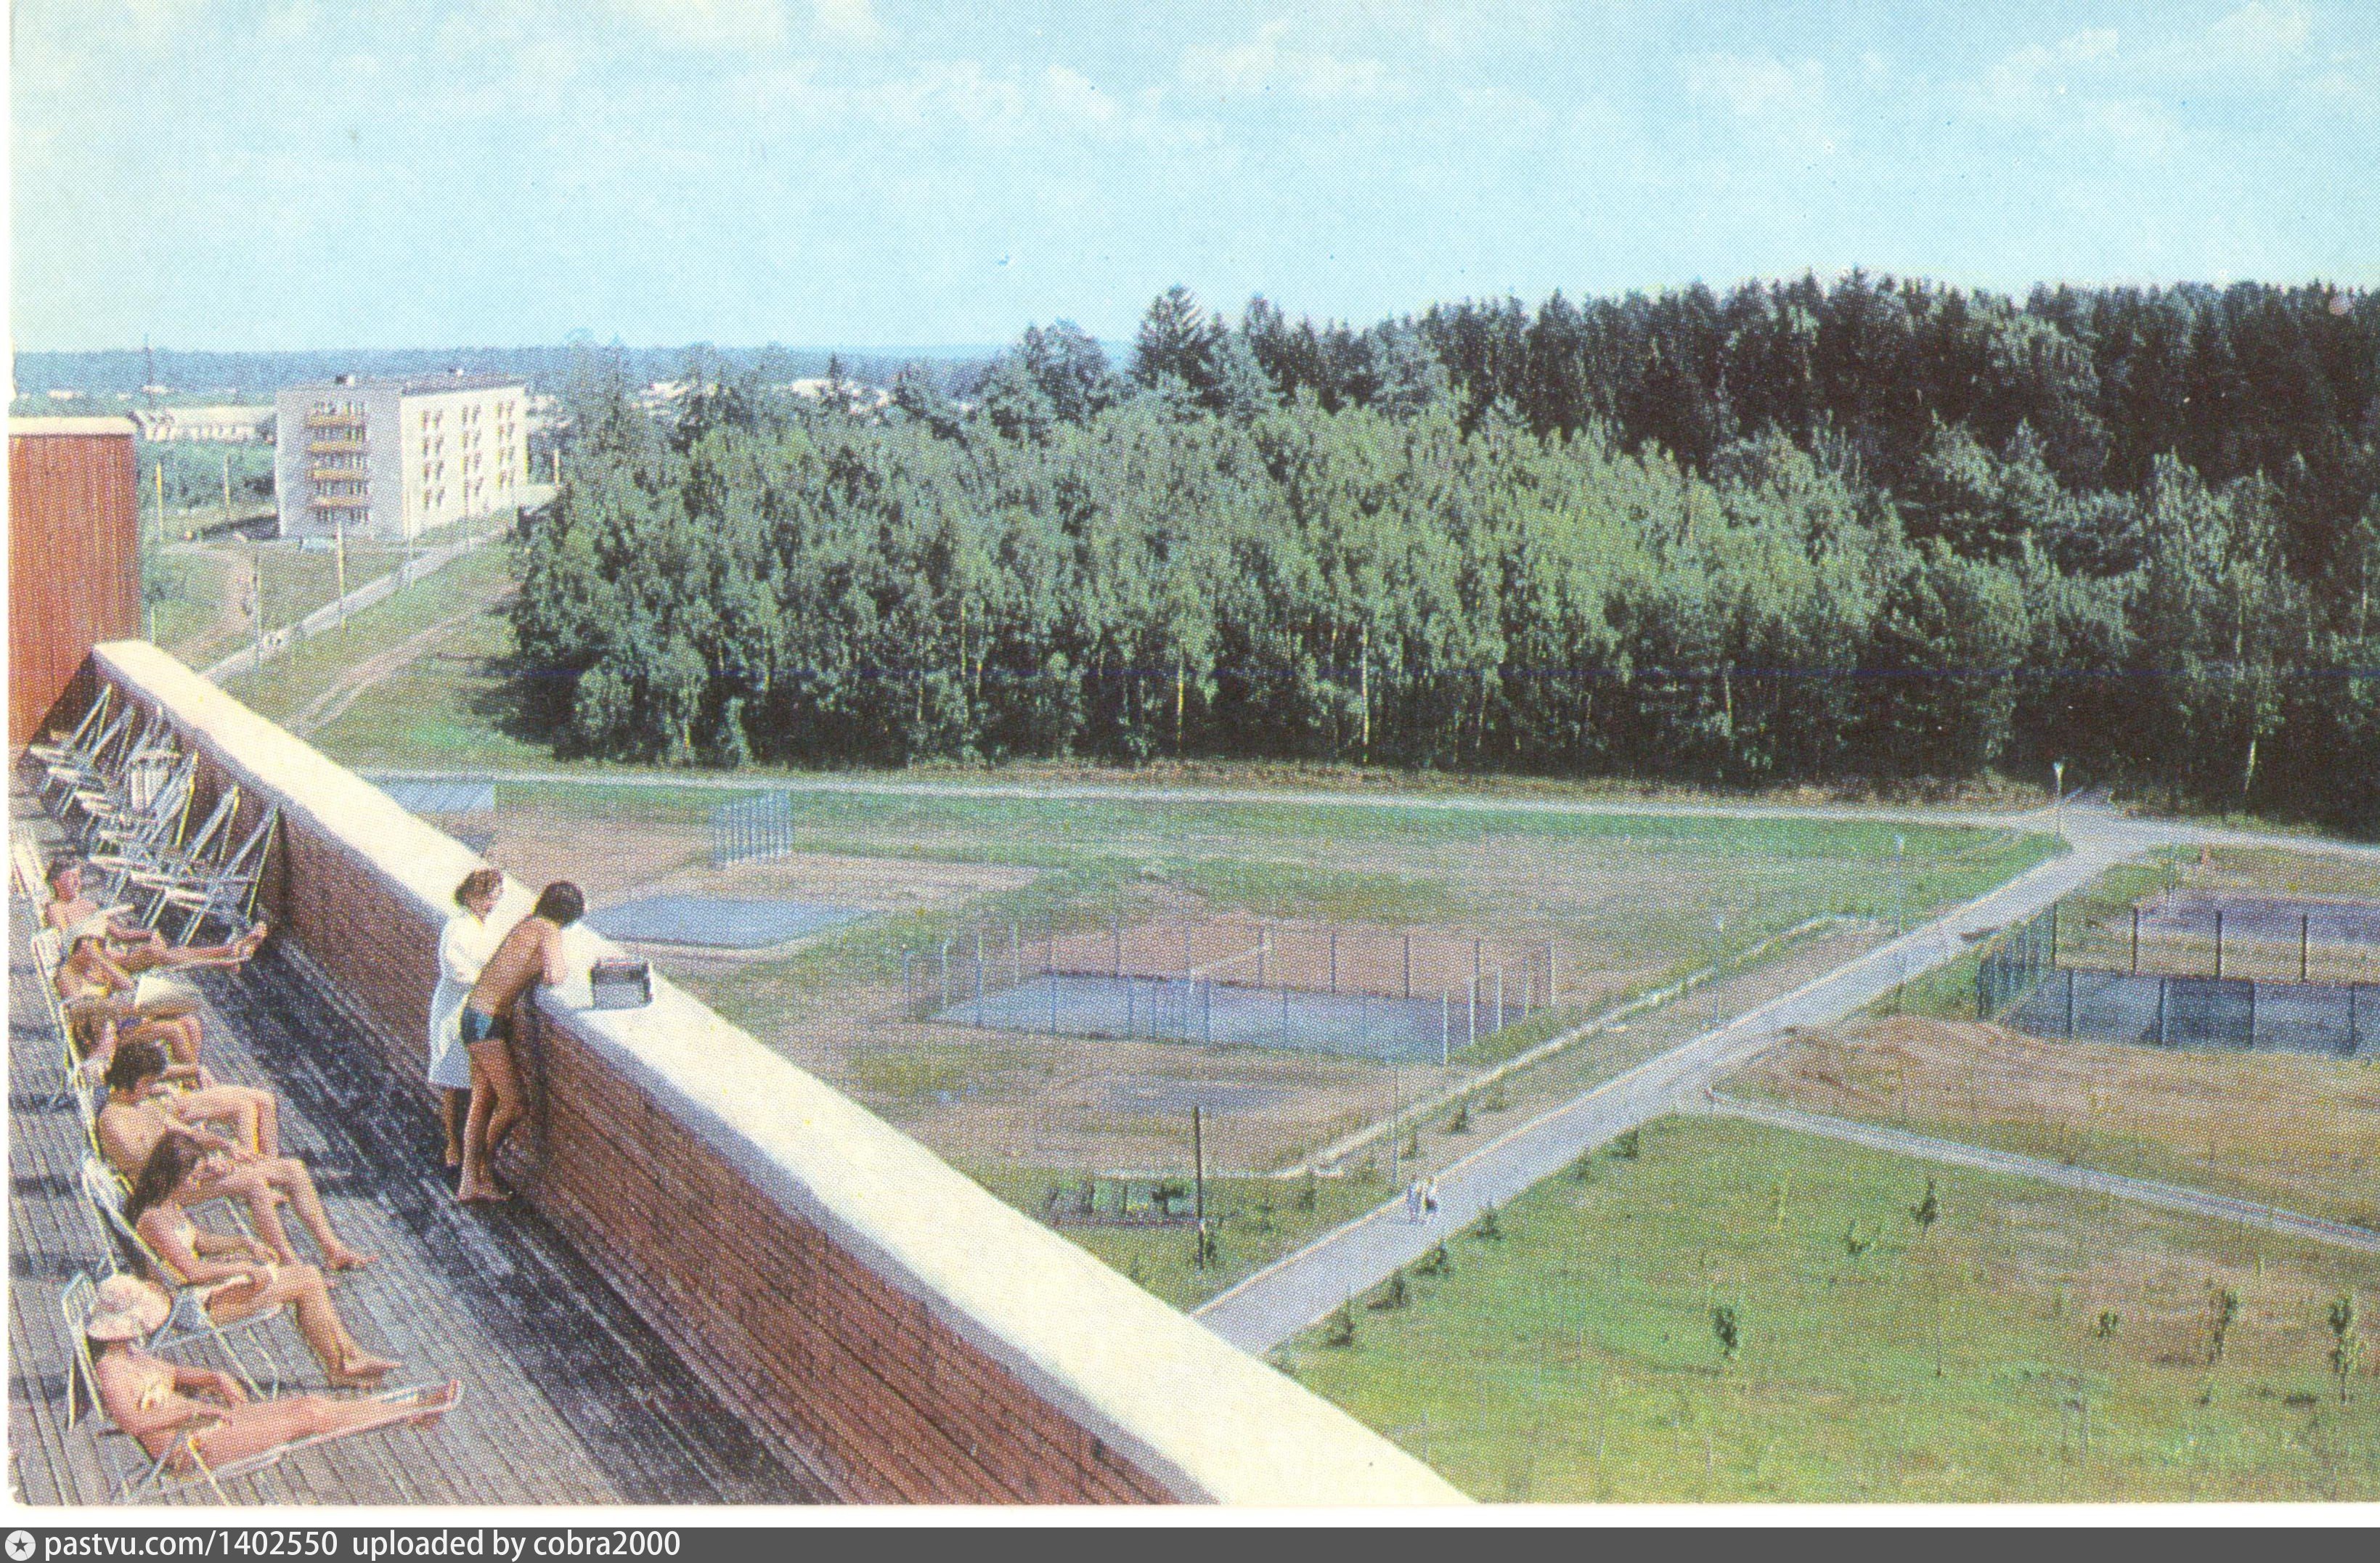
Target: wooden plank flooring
x=570, y=1397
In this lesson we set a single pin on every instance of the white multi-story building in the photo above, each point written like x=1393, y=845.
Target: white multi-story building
x=395, y=458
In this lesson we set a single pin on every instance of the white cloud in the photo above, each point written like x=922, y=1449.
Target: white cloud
x=1074, y=94
x=2263, y=34
x=853, y=21
x=2026, y=82
x=709, y=24
x=1761, y=86
x=1264, y=63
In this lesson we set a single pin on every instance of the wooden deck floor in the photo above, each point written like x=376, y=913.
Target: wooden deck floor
x=570, y=1397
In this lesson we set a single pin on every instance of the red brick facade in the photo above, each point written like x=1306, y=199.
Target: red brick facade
x=855, y=1379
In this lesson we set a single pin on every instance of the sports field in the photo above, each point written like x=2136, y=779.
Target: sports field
x=1625, y=904
x=2032, y=1345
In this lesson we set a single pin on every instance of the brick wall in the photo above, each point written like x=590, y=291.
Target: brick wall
x=889, y=1324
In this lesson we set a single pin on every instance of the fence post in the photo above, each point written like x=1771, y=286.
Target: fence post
x=1115, y=925
x=2161, y=982
x=2136, y=940
x=2069, y=1006
x=2252, y=1014
x=2218, y=944
x=1334, y=959
x=979, y=974
x=2306, y=927
x=1499, y=1000
x=1408, y=963
x=1445, y=1024
x=1471, y=1017
x=908, y=994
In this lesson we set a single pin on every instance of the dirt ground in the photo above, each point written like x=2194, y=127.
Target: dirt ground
x=629, y=859
x=2300, y=1133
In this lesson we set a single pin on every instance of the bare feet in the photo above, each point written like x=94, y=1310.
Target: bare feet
x=248, y=942
x=488, y=1195
x=362, y=1370
x=436, y=1403
x=346, y=1258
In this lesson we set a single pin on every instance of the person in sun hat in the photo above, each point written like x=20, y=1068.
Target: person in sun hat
x=160, y=1402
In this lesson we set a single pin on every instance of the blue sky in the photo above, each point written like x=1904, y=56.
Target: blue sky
x=305, y=173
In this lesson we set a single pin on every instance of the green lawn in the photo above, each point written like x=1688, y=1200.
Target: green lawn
x=1575, y=1357
x=1253, y=1221
x=287, y=683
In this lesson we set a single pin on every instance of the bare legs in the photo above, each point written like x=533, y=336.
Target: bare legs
x=495, y=1110
x=453, y=1111
x=154, y=952
x=252, y=1117
x=259, y=1182
x=259, y=1425
x=302, y=1289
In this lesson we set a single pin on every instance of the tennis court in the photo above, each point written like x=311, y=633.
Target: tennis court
x=1228, y=1015
x=713, y=922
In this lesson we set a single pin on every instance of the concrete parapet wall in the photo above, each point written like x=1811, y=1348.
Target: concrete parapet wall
x=890, y=1324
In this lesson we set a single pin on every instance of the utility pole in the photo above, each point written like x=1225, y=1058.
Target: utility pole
x=226, y=488
x=341, y=546
x=2058, y=795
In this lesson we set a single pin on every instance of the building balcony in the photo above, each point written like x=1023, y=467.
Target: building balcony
x=336, y=447
x=334, y=420
x=342, y=502
x=337, y=475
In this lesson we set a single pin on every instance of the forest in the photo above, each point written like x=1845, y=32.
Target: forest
x=1875, y=530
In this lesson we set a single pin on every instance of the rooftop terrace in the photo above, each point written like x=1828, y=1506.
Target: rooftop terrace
x=570, y=1399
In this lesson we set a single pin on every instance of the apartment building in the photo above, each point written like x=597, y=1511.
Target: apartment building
x=395, y=458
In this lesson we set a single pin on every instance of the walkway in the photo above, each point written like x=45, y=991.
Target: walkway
x=1276, y=1302
x=570, y=1397
x=2137, y=1191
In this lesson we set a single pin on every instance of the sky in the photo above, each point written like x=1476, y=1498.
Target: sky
x=291, y=174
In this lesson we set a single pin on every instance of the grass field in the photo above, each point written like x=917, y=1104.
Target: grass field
x=1629, y=901
x=291, y=681
x=1574, y=1358
x=2298, y=1132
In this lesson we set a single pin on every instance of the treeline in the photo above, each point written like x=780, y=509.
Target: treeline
x=1877, y=531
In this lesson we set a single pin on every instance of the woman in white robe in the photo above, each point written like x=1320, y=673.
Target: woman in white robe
x=463, y=947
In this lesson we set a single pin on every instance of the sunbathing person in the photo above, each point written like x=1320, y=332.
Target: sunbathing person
x=236, y=1277
x=530, y=954
x=91, y=986
x=134, y=948
x=249, y=1119
x=157, y=1401
x=131, y=1130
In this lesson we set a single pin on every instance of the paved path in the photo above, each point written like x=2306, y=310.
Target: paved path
x=2099, y=824
x=1276, y=1302
x=2137, y=1191
x=333, y=703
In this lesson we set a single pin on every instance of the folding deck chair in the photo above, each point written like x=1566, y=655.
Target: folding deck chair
x=153, y=865
x=189, y=1322
x=226, y=892
x=83, y=767
x=133, y=1473
x=73, y=745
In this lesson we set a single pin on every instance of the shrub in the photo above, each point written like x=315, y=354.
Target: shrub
x=1307, y=1193
x=1583, y=1169
x=1413, y=1145
x=1724, y=1329
x=2345, y=1345
x=2109, y=1323
x=1854, y=1244
x=1487, y=1225
x=1393, y=1295
x=1460, y=1122
x=1339, y=1329
x=1627, y=1145
x=2222, y=1311
x=1433, y=1263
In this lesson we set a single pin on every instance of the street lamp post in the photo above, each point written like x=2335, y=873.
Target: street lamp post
x=1718, y=936
x=2058, y=795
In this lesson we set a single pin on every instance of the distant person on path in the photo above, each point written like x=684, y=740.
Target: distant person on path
x=136, y=948
x=1429, y=1197
x=530, y=954
x=1412, y=1200
x=463, y=950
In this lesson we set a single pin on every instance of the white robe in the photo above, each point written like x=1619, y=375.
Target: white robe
x=464, y=947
